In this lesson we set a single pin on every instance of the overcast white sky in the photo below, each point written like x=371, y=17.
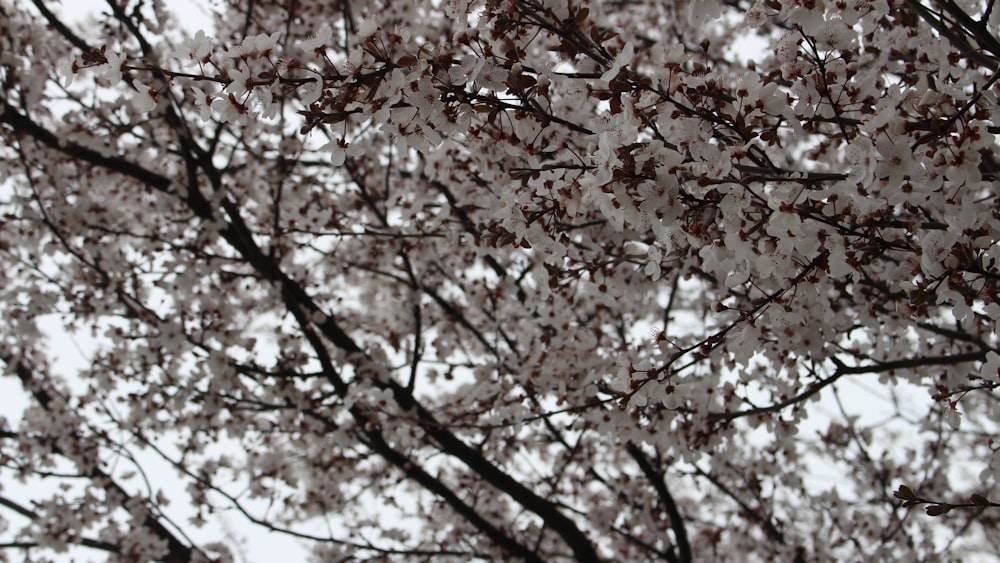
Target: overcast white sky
x=191, y=14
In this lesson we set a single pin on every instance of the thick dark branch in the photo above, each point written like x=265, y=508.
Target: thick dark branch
x=418, y=474
x=656, y=478
x=961, y=43
x=546, y=510
x=978, y=31
x=23, y=511
x=908, y=363
x=24, y=125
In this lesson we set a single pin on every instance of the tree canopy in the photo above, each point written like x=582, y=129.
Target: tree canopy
x=502, y=279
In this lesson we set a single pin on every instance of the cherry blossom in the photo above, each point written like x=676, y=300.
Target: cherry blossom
x=502, y=280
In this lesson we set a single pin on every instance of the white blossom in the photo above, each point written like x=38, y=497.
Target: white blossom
x=143, y=100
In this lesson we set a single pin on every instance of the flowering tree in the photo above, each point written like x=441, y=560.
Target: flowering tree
x=504, y=279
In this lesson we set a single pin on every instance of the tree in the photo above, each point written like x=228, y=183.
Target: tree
x=504, y=279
